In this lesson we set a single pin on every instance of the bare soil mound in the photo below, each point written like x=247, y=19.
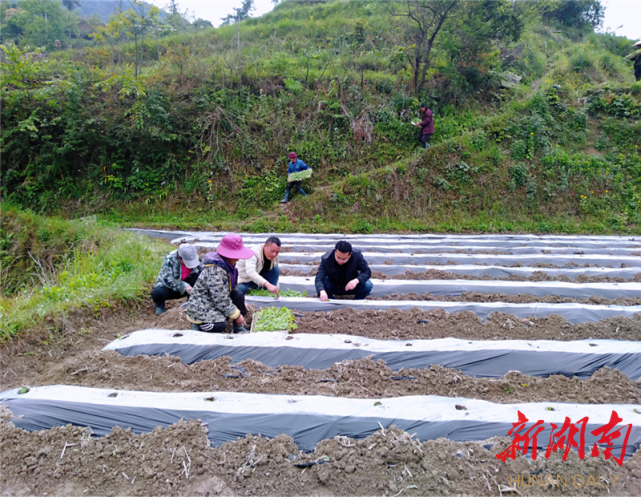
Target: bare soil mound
x=520, y=298
x=364, y=378
x=415, y=324
x=179, y=461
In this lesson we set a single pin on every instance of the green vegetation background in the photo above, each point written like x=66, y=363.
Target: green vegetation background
x=200, y=137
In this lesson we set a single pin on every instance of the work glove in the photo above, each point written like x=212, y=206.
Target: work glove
x=207, y=326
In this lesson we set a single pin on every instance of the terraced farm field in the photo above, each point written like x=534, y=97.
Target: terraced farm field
x=411, y=392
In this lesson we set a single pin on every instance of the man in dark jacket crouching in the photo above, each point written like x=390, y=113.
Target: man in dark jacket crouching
x=343, y=271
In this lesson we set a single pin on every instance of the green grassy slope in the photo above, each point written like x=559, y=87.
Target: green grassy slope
x=200, y=138
x=50, y=266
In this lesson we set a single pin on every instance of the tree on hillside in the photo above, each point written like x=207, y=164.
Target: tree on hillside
x=426, y=20
x=113, y=32
x=240, y=13
x=174, y=18
x=138, y=20
x=71, y=4
x=472, y=39
x=43, y=23
x=202, y=24
x=574, y=13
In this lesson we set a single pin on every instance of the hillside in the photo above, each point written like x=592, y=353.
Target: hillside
x=104, y=8
x=200, y=136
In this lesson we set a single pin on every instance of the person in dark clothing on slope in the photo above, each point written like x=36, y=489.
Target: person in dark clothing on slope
x=295, y=166
x=426, y=125
x=343, y=271
x=636, y=57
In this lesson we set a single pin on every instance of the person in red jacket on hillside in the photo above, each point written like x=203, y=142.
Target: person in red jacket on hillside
x=427, y=126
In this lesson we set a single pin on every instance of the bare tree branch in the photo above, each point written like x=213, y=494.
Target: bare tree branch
x=427, y=18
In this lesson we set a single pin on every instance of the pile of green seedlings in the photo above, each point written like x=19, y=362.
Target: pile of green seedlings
x=262, y=292
x=300, y=175
x=274, y=319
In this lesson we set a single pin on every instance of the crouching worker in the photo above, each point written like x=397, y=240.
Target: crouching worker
x=178, y=275
x=261, y=271
x=343, y=271
x=215, y=297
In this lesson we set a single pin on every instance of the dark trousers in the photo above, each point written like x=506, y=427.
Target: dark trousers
x=424, y=139
x=238, y=299
x=637, y=71
x=161, y=294
x=361, y=291
x=296, y=185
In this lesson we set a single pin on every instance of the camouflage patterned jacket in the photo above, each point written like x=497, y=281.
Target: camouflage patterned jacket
x=169, y=275
x=210, y=301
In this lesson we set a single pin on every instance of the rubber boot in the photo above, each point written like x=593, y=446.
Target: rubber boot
x=160, y=309
x=285, y=198
x=302, y=192
x=239, y=328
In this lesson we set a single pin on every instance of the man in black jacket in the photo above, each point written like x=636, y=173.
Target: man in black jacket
x=343, y=271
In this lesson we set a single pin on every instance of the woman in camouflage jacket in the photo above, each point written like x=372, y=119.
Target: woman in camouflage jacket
x=178, y=274
x=215, y=298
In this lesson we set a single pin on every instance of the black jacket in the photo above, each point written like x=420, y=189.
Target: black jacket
x=356, y=267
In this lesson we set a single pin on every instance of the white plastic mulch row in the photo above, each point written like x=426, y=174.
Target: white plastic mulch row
x=581, y=240
x=574, y=313
x=366, y=246
x=446, y=288
x=307, y=419
x=492, y=271
x=490, y=358
x=486, y=240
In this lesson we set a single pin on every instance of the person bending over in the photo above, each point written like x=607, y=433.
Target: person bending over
x=177, y=276
x=215, y=297
x=261, y=271
x=343, y=271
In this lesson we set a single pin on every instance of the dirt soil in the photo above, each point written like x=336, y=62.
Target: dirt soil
x=72, y=353
x=435, y=274
x=178, y=460
x=540, y=265
x=68, y=351
x=363, y=378
x=416, y=323
x=520, y=298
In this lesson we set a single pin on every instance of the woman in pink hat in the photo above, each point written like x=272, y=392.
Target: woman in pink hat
x=215, y=298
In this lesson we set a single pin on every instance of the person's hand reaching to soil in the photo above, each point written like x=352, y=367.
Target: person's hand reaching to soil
x=352, y=284
x=240, y=320
x=323, y=296
x=272, y=288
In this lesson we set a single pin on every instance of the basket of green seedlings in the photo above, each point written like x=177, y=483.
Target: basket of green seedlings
x=300, y=175
x=262, y=292
x=273, y=319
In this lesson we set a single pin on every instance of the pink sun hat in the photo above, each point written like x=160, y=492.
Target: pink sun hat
x=231, y=246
